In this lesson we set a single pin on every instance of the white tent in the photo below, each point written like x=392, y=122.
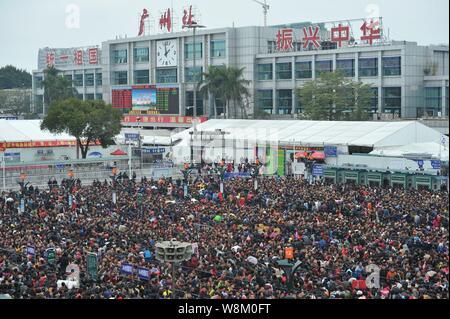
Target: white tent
x=28, y=131
x=431, y=150
x=245, y=134
x=316, y=133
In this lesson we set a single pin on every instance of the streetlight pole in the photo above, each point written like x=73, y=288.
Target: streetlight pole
x=192, y=148
x=4, y=171
x=194, y=26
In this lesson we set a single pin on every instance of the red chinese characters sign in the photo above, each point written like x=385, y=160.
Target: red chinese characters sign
x=144, y=16
x=50, y=59
x=285, y=38
x=371, y=31
x=93, y=56
x=34, y=144
x=78, y=57
x=165, y=22
x=340, y=34
x=161, y=119
x=188, y=18
x=311, y=35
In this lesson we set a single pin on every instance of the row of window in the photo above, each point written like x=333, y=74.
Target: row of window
x=433, y=102
x=162, y=76
x=392, y=101
x=368, y=67
x=89, y=79
x=218, y=50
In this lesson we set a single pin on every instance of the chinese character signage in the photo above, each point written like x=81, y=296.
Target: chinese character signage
x=340, y=34
x=317, y=170
x=311, y=35
x=50, y=59
x=160, y=119
x=330, y=35
x=144, y=17
x=285, y=40
x=93, y=56
x=188, y=17
x=78, y=57
x=68, y=57
x=371, y=31
x=165, y=22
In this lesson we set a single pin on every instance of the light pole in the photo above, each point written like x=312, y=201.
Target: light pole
x=138, y=120
x=4, y=171
x=194, y=26
x=192, y=148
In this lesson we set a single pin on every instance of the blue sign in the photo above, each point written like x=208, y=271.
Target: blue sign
x=143, y=273
x=31, y=251
x=236, y=175
x=420, y=163
x=317, y=170
x=436, y=164
x=12, y=154
x=132, y=136
x=330, y=151
x=126, y=269
x=157, y=150
x=70, y=200
x=22, y=205
x=147, y=255
x=59, y=166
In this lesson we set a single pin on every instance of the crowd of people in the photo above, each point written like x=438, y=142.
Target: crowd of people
x=335, y=231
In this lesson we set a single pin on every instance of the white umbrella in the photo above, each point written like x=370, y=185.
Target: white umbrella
x=9, y=200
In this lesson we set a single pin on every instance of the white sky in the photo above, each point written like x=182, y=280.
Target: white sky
x=27, y=25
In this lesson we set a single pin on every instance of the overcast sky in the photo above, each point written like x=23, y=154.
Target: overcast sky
x=26, y=26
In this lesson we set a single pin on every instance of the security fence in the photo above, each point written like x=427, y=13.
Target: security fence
x=39, y=175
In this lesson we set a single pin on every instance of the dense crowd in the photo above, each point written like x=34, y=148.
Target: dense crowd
x=335, y=231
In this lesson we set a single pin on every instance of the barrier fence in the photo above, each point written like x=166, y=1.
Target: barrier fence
x=9, y=180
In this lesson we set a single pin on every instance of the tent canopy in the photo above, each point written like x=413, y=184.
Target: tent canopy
x=365, y=134
x=28, y=131
x=432, y=149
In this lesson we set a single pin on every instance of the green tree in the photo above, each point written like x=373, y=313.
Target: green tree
x=237, y=89
x=13, y=78
x=334, y=97
x=15, y=101
x=87, y=121
x=212, y=83
x=57, y=87
x=226, y=84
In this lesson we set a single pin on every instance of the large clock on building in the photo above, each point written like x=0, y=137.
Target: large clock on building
x=166, y=53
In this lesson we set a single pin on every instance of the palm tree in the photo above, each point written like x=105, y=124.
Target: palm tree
x=212, y=83
x=226, y=84
x=237, y=87
x=57, y=87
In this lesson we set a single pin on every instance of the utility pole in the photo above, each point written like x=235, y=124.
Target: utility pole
x=194, y=26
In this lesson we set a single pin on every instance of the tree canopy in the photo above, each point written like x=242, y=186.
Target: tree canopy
x=228, y=85
x=87, y=121
x=57, y=87
x=333, y=97
x=14, y=78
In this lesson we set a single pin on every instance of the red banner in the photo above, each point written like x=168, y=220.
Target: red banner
x=35, y=144
x=161, y=119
